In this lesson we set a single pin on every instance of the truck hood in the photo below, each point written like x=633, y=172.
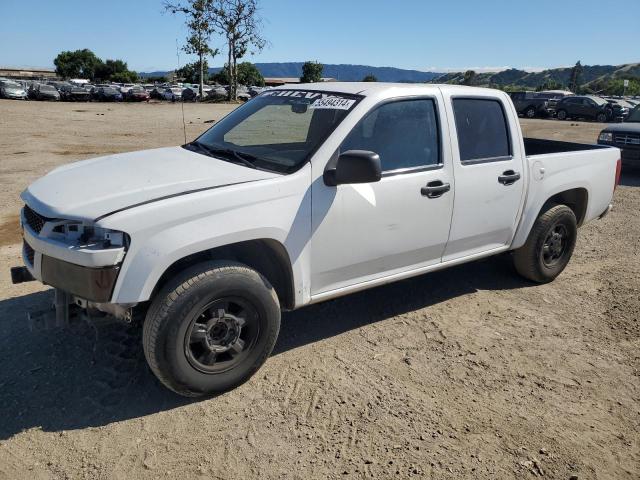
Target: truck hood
x=93, y=188
x=628, y=127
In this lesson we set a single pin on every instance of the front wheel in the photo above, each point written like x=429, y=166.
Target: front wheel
x=549, y=246
x=602, y=117
x=211, y=328
x=530, y=112
x=562, y=115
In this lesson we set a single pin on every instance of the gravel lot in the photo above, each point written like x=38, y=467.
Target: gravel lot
x=465, y=373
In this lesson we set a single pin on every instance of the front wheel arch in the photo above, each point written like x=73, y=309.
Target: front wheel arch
x=267, y=256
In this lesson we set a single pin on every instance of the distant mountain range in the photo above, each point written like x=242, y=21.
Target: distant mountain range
x=510, y=77
x=523, y=79
x=346, y=73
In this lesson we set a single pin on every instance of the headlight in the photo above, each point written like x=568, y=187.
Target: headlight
x=84, y=234
x=606, y=137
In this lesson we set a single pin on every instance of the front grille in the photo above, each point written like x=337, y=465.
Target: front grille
x=33, y=219
x=627, y=139
x=28, y=253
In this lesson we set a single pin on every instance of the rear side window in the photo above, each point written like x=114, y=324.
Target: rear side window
x=404, y=133
x=482, y=129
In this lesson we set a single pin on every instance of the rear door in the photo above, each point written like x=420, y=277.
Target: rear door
x=488, y=169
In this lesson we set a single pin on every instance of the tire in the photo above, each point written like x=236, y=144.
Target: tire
x=602, y=117
x=549, y=246
x=211, y=328
x=562, y=115
x=530, y=112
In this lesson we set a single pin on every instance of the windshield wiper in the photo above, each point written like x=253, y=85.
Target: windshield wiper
x=239, y=157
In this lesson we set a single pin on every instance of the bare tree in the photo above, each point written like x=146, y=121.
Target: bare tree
x=198, y=14
x=240, y=24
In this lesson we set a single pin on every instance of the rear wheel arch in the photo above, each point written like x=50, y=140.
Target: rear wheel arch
x=577, y=199
x=267, y=256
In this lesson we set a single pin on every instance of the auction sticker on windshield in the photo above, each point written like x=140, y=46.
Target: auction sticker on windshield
x=317, y=100
x=337, y=103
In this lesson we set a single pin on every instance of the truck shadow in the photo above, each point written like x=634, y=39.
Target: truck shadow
x=85, y=376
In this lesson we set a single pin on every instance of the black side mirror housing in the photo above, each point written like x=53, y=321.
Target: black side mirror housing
x=353, y=166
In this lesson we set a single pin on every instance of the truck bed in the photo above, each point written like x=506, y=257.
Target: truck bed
x=537, y=146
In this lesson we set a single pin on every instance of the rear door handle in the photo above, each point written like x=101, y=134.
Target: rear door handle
x=509, y=177
x=435, y=189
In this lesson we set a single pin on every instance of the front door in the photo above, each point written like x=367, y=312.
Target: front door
x=369, y=231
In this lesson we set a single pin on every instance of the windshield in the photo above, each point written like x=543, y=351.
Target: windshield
x=598, y=100
x=634, y=116
x=280, y=129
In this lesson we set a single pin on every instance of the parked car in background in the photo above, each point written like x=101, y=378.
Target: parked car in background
x=530, y=104
x=12, y=90
x=173, y=94
x=190, y=94
x=622, y=103
x=589, y=107
x=40, y=91
x=255, y=91
x=57, y=84
x=137, y=94
x=124, y=89
x=217, y=92
x=74, y=93
x=625, y=136
x=106, y=94
x=157, y=92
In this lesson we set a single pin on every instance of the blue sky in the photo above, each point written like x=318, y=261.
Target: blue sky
x=417, y=34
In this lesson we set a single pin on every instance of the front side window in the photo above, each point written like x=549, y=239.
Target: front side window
x=404, y=133
x=278, y=130
x=482, y=129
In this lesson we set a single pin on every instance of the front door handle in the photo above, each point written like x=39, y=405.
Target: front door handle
x=509, y=177
x=435, y=189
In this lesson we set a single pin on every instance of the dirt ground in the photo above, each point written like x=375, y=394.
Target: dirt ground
x=465, y=373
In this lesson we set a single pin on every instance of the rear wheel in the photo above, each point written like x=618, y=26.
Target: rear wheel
x=549, y=246
x=211, y=328
x=562, y=114
x=530, y=112
x=601, y=117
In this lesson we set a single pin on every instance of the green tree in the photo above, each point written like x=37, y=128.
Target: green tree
x=156, y=79
x=469, y=77
x=240, y=23
x=248, y=74
x=76, y=64
x=311, y=72
x=549, y=84
x=115, y=71
x=198, y=18
x=190, y=72
x=370, y=78
x=575, y=78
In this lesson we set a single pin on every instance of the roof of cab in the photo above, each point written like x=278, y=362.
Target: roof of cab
x=369, y=88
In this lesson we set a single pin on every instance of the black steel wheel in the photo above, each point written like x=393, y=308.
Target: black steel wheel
x=549, y=246
x=554, y=245
x=211, y=328
x=221, y=334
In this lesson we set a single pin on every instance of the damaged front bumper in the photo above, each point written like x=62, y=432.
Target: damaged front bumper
x=83, y=276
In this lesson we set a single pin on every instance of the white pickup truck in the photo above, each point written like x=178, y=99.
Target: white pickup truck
x=303, y=194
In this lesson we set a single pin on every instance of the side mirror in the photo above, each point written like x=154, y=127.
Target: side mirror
x=354, y=166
